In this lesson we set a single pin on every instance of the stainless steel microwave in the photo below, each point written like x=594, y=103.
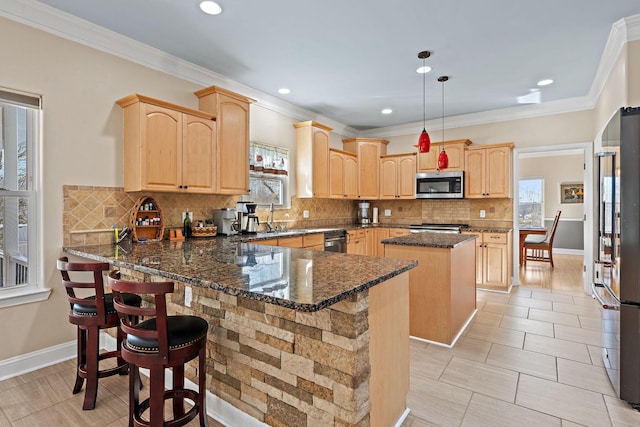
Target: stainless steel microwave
x=440, y=185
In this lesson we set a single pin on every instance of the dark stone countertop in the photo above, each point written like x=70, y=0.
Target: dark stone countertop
x=300, y=279
x=431, y=240
x=488, y=229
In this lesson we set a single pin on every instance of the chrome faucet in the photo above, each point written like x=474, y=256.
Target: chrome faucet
x=270, y=226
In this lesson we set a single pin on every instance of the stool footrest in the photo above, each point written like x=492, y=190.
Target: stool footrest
x=181, y=393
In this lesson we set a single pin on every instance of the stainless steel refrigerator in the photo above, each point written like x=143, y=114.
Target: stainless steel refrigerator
x=617, y=279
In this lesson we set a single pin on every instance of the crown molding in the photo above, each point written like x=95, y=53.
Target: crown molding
x=62, y=24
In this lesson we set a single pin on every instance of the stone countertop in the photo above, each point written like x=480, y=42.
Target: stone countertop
x=300, y=279
x=431, y=240
x=488, y=229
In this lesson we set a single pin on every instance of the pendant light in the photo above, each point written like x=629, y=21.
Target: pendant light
x=443, y=158
x=424, y=142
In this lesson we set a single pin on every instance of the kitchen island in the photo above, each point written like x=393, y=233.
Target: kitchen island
x=442, y=289
x=296, y=337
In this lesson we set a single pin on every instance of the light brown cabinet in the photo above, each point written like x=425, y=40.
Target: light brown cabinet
x=312, y=159
x=343, y=175
x=368, y=151
x=231, y=111
x=488, y=171
x=356, y=242
x=314, y=242
x=167, y=148
x=398, y=176
x=373, y=238
x=493, y=261
x=428, y=162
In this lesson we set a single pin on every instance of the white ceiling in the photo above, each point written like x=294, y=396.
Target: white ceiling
x=349, y=59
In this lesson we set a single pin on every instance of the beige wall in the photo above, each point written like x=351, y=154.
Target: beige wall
x=82, y=142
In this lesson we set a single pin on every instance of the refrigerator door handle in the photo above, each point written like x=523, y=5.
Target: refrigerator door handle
x=595, y=294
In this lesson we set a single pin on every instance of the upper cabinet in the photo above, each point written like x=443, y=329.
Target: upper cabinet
x=398, y=176
x=232, y=155
x=368, y=151
x=312, y=159
x=488, y=171
x=428, y=162
x=343, y=175
x=167, y=147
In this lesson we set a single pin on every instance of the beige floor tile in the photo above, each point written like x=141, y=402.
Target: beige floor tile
x=553, y=297
x=472, y=349
x=478, y=377
x=594, y=323
x=596, y=355
x=521, y=291
x=621, y=413
x=536, y=364
x=428, y=360
x=437, y=402
x=585, y=376
x=487, y=318
x=496, y=335
x=39, y=393
x=487, y=411
x=585, y=336
x=531, y=303
x=488, y=296
x=566, y=423
x=585, y=310
x=412, y=421
x=554, y=317
x=556, y=347
x=509, y=310
x=527, y=325
x=567, y=402
x=583, y=299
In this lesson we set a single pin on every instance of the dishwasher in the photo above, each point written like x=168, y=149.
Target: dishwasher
x=335, y=241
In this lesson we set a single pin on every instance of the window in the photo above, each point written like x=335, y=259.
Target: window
x=19, y=136
x=531, y=202
x=269, y=175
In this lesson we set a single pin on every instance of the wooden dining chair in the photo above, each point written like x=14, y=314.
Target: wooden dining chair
x=540, y=247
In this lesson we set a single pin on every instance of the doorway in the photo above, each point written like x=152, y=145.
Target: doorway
x=557, y=151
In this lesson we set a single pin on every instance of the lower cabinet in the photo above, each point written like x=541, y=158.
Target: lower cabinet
x=374, y=236
x=356, y=242
x=493, y=261
x=314, y=242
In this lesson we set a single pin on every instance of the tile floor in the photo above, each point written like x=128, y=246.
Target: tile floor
x=529, y=358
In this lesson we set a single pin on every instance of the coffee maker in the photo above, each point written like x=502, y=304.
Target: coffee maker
x=363, y=213
x=224, y=219
x=247, y=219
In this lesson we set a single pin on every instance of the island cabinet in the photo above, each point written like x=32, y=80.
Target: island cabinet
x=312, y=159
x=343, y=175
x=488, y=171
x=168, y=148
x=232, y=154
x=357, y=242
x=493, y=260
x=374, y=238
x=428, y=162
x=398, y=176
x=368, y=151
x=442, y=291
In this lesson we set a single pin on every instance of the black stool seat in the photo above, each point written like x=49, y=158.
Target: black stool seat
x=90, y=309
x=181, y=331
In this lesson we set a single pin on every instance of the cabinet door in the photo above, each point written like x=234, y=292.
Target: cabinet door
x=233, y=146
x=398, y=232
x=368, y=170
x=161, y=148
x=336, y=175
x=455, y=152
x=388, y=178
x=498, y=172
x=428, y=162
x=371, y=242
x=480, y=261
x=474, y=174
x=320, y=172
x=381, y=234
x=351, y=177
x=198, y=154
x=495, y=268
x=406, y=177
x=291, y=242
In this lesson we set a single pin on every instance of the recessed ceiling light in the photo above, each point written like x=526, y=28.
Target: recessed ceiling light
x=211, y=8
x=387, y=111
x=545, y=82
x=284, y=91
x=422, y=70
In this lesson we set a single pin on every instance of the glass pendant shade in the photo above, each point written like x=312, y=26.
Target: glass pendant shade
x=424, y=142
x=443, y=160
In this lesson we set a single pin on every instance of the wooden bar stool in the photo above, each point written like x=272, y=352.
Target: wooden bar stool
x=159, y=342
x=91, y=314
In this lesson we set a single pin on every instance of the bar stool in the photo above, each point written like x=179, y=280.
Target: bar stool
x=157, y=343
x=90, y=315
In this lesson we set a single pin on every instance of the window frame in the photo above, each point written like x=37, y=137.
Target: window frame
x=542, y=198
x=34, y=290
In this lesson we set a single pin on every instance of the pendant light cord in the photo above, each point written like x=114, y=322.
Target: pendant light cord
x=443, y=115
x=424, y=94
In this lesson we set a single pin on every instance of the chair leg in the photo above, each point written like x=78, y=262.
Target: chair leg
x=156, y=396
x=80, y=359
x=134, y=392
x=121, y=362
x=202, y=388
x=178, y=383
x=91, y=391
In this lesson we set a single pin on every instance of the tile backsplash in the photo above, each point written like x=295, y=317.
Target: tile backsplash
x=90, y=212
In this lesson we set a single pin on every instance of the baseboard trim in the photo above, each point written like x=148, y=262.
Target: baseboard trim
x=39, y=359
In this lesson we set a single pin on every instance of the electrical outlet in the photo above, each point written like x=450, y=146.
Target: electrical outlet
x=387, y=212
x=305, y=214
x=483, y=213
x=188, y=296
